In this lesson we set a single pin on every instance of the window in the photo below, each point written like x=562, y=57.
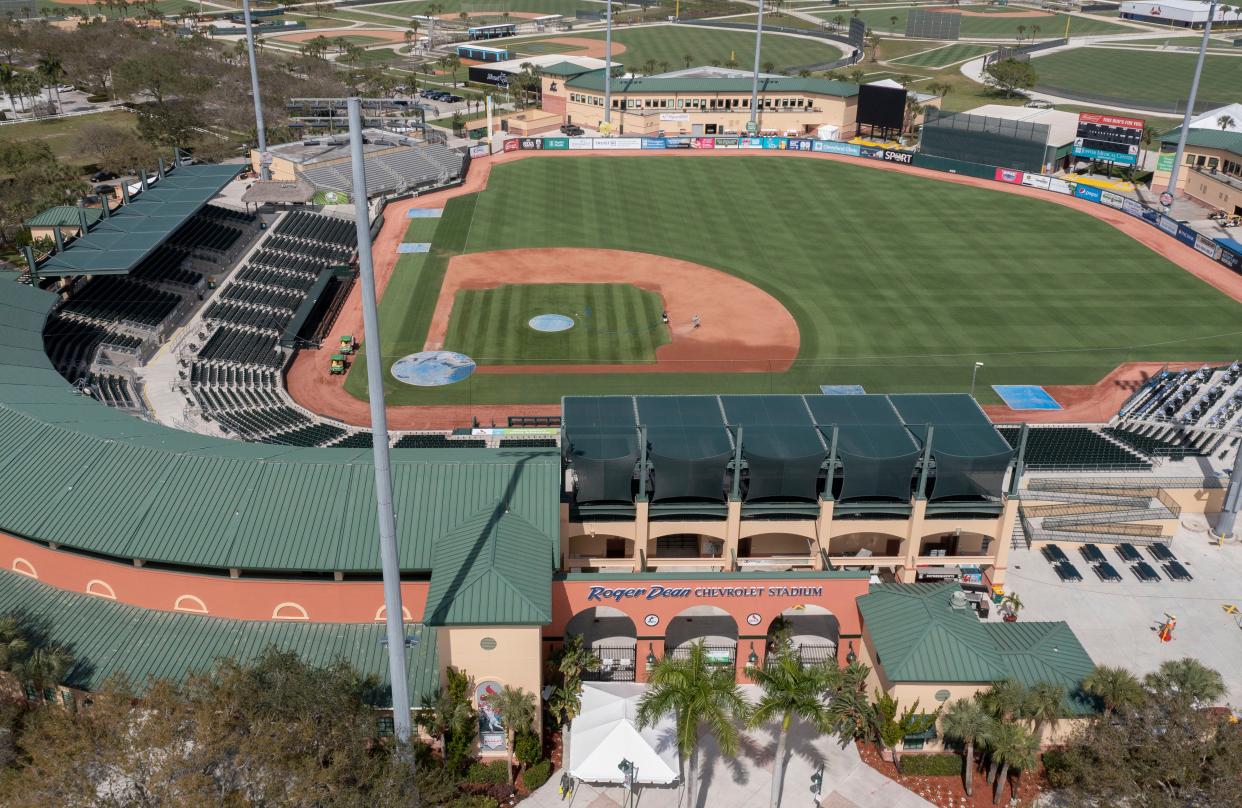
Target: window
x=683, y=546
x=383, y=726
x=912, y=743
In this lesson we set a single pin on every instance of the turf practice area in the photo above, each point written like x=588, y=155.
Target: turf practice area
x=944, y=56
x=612, y=322
x=669, y=45
x=1159, y=79
x=991, y=25
x=896, y=282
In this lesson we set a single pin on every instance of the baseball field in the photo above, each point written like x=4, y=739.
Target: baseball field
x=894, y=281
x=1143, y=77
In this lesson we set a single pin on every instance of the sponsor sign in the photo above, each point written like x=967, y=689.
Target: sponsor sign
x=1186, y=234
x=581, y=143
x=680, y=117
x=1087, y=192
x=1034, y=180
x=1167, y=225
x=1151, y=217
x=1060, y=186
x=1133, y=208
x=1103, y=155
x=750, y=143
x=1113, y=200
x=658, y=592
x=836, y=147
x=478, y=150
x=511, y=145
x=1206, y=246
x=654, y=143
x=888, y=155
x=1165, y=162
x=1110, y=138
x=1230, y=259
x=558, y=143
x=1009, y=175
x=530, y=143
x=726, y=143
x=774, y=142
x=677, y=142
x=801, y=144
x=704, y=143
x=618, y=143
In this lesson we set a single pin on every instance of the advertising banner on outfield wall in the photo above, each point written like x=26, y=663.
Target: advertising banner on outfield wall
x=801, y=144
x=1087, y=192
x=1186, y=234
x=888, y=155
x=530, y=143
x=678, y=142
x=750, y=143
x=1133, y=208
x=1113, y=200
x=1231, y=259
x=556, y=143
x=1206, y=246
x=478, y=150
x=617, y=143
x=774, y=142
x=654, y=143
x=581, y=143
x=1035, y=181
x=836, y=147
x=1009, y=175
x=703, y=143
x=1168, y=225
x=726, y=142
x=512, y=145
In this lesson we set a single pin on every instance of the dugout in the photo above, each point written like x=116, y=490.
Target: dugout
x=1018, y=144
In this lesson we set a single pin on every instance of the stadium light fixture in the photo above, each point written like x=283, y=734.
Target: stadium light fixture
x=396, y=637
x=1190, y=102
x=754, y=87
x=265, y=170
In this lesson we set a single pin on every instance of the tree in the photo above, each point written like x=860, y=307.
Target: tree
x=1116, y=688
x=115, y=149
x=1010, y=76
x=1014, y=746
x=687, y=60
x=43, y=668
x=790, y=690
x=967, y=723
x=1225, y=122
x=849, y=708
x=1021, y=32
x=1186, y=679
x=1044, y=702
x=451, y=718
x=516, y=709
x=769, y=67
x=1004, y=701
x=891, y=728
x=892, y=23
x=51, y=70
x=571, y=661
x=702, y=696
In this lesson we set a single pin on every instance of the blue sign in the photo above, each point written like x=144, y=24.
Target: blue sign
x=800, y=145
x=1230, y=259
x=775, y=143
x=654, y=143
x=1186, y=234
x=836, y=147
x=1119, y=158
x=1088, y=192
x=677, y=142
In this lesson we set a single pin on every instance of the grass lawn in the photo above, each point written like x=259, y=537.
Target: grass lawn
x=943, y=57
x=669, y=44
x=775, y=21
x=613, y=322
x=991, y=26
x=1159, y=79
x=893, y=295
x=170, y=8
x=378, y=56
x=61, y=134
x=894, y=48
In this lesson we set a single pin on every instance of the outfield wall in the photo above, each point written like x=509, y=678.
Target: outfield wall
x=1222, y=251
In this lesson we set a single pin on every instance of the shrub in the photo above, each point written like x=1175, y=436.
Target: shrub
x=473, y=801
x=527, y=748
x=1057, y=765
x=487, y=774
x=98, y=98
x=931, y=765
x=537, y=775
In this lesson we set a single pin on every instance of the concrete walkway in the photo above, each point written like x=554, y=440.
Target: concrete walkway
x=745, y=781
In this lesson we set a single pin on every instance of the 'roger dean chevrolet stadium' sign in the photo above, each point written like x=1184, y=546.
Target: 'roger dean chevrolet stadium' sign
x=656, y=591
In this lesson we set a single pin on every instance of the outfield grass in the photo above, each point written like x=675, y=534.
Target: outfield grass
x=896, y=282
x=1156, y=78
x=613, y=322
x=989, y=26
x=945, y=56
x=670, y=44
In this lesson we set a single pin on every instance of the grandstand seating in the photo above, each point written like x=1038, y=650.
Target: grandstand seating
x=1073, y=448
x=221, y=312
x=356, y=440
x=310, y=435
x=262, y=296
x=240, y=347
x=325, y=238
x=109, y=299
x=419, y=441
x=526, y=443
x=111, y=390
x=1153, y=446
x=425, y=166
x=164, y=265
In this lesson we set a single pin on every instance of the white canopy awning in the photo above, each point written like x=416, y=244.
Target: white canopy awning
x=606, y=732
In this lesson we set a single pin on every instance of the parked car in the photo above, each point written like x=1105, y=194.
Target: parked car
x=1038, y=103
x=571, y=130
x=105, y=190
x=454, y=99
x=100, y=176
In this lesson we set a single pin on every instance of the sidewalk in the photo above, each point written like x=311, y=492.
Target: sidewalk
x=745, y=781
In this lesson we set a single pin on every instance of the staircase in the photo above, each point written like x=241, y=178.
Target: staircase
x=1096, y=511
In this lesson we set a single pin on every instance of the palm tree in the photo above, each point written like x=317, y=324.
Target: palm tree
x=1044, y=702
x=1012, y=604
x=566, y=702
x=769, y=67
x=1013, y=746
x=967, y=723
x=850, y=710
x=1187, y=679
x=44, y=668
x=701, y=696
x=1003, y=701
x=450, y=710
x=1115, y=687
x=1021, y=31
x=687, y=60
x=8, y=81
x=51, y=69
x=892, y=23
x=790, y=690
x=1225, y=122
x=516, y=709
x=13, y=644
x=1034, y=31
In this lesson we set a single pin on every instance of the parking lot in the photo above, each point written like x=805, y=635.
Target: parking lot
x=1117, y=622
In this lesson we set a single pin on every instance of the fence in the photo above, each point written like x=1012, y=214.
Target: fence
x=616, y=664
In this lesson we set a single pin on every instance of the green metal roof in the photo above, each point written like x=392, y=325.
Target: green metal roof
x=143, y=490
x=116, y=244
x=108, y=638
x=64, y=216
x=919, y=637
x=564, y=69
x=1207, y=138
x=488, y=572
x=594, y=80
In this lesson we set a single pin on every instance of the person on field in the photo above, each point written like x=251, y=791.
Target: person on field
x=696, y=321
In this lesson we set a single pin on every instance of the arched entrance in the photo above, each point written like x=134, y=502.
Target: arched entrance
x=611, y=635
x=710, y=625
x=812, y=631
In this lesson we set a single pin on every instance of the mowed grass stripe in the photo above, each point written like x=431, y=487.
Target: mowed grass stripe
x=1158, y=78
x=492, y=325
x=896, y=282
x=943, y=57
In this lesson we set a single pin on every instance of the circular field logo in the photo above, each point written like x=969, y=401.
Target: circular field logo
x=432, y=368
x=551, y=323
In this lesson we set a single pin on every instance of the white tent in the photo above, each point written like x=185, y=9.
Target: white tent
x=606, y=732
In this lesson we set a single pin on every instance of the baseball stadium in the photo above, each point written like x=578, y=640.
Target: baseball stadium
x=651, y=392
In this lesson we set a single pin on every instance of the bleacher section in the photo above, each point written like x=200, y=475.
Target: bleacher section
x=1153, y=446
x=234, y=346
x=421, y=441
x=165, y=266
x=1073, y=448
x=113, y=299
x=426, y=166
x=1198, y=412
x=356, y=440
x=111, y=390
x=323, y=237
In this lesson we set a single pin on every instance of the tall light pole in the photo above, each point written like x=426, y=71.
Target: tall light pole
x=754, y=87
x=1190, y=102
x=973, y=375
x=265, y=170
x=379, y=443
x=608, y=66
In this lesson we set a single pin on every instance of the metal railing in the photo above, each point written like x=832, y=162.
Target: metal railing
x=716, y=654
x=617, y=664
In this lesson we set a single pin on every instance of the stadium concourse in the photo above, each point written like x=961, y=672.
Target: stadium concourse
x=876, y=528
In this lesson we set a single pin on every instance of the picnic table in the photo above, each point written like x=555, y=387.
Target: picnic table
x=1067, y=571
x=1092, y=553
x=1145, y=572
x=1128, y=552
x=1161, y=552
x=1177, y=572
x=1106, y=572
x=1054, y=553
